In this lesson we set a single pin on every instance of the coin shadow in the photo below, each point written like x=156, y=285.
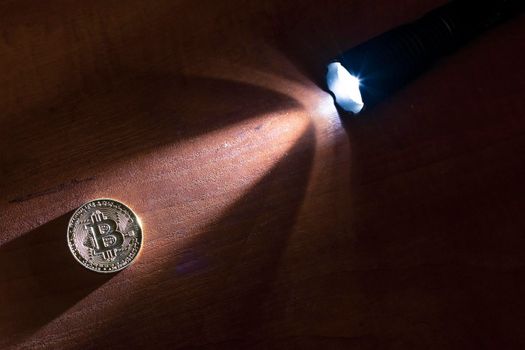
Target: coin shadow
x=40, y=279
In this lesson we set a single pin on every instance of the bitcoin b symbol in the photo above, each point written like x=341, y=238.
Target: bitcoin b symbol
x=105, y=238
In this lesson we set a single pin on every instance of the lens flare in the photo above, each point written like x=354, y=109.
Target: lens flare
x=345, y=88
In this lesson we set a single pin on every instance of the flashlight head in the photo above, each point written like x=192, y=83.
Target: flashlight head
x=345, y=87
x=371, y=71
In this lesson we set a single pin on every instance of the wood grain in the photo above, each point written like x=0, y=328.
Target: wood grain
x=270, y=223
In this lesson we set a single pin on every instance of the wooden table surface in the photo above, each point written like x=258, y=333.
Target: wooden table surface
x=269, y=223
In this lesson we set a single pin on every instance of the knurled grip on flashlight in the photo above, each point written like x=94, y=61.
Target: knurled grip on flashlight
x=387, y=62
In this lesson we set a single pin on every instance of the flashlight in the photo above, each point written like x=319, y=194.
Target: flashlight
x=364, y=75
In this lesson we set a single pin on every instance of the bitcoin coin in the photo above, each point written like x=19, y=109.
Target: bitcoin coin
x=104, y=235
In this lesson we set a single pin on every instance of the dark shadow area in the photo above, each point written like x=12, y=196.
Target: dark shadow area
x=91, y=132
x=224, y=279
x=437, y=177
x=40, y=279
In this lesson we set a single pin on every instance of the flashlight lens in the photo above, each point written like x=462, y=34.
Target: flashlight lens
x=345, y=88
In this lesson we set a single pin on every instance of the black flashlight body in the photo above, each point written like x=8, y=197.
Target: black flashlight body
x=387, y=62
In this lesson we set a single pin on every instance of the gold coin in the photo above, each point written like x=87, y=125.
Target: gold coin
x=104, y=235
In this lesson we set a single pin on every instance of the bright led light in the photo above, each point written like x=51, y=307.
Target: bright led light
x=345, y=88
